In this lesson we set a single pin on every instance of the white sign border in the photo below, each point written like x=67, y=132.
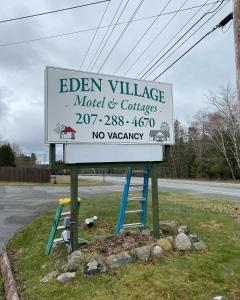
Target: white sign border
x=65, y=142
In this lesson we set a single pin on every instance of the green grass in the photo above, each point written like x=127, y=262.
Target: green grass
x=194, y=276
x=1, y=288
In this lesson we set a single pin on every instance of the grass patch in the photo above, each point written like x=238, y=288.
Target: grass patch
x=1, y=288
x=194, y=276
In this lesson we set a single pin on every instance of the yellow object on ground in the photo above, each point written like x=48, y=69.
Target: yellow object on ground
x=65, y=201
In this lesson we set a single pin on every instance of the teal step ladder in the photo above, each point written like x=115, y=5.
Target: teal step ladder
x=142, y=200
x=59, y=216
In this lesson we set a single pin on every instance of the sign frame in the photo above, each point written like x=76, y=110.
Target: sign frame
x=156, y=135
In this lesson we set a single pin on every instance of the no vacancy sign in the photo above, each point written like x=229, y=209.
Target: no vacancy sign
x=83, y=107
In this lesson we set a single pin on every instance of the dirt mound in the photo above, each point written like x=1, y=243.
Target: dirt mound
x=125, y=242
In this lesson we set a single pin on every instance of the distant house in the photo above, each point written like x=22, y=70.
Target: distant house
x=68, y=133
x=156, y=136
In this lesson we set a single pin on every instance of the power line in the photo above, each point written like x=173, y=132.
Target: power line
x=94, y=28
x=181, y=37
x=94, y=36
x=142, y=36
x=100, y=48
x=175, y=35
x=154, y=39
x=184, y=42
x=52, y=11
x=121, y=35
x=227, y=19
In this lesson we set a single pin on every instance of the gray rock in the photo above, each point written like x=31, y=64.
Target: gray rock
x=56, y=248
x=170, y=239
x=76, y=254
x=145, y=232
x=50, y=276
x=142, y=253
x=82, y=242
x=183, y=229
x=199, y=246
x=119, y=260
x=94, y=266
x=193, y=238
x=157, y=251
x=75, y=259
x=66, y=277
x=182, y=242
x=165, y=244
x=169, y=227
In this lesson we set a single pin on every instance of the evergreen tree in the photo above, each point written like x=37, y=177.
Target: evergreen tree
x=7, y=157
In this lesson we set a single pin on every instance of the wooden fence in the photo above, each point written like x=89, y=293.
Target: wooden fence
x=24, y=174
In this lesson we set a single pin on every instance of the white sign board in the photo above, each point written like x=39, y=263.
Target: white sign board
x=82, y=107
x=101, y=153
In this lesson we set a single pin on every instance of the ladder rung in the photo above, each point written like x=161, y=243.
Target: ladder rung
x=66, y=213
x=136, y=198
x=58, y=240
x=133, y=225
x=136, y=184
x=134, y=211
x=60, y=227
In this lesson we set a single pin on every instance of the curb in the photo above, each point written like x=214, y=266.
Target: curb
x=9, y=282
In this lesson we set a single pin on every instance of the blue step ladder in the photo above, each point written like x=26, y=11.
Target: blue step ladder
x=142, y=200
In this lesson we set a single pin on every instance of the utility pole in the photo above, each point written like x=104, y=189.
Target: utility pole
x=236, y=25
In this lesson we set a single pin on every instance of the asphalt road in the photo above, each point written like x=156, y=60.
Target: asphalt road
x=19, y=205
x=207, y=188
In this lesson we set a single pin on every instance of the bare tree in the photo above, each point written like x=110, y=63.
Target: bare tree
x=223, y=125
x=216, y=130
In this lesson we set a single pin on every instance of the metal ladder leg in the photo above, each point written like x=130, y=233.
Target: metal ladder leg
x=54, y=228
x=124, y=201
x=145, y=196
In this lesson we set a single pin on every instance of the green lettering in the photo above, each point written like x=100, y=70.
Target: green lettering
x=74, y=87
x=113, y=87
x=146, y=92
x=161, y=97
x=154, y=96
x=97, y=85
x=63, y=84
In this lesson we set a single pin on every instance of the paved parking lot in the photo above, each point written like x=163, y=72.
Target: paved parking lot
x=19, y=205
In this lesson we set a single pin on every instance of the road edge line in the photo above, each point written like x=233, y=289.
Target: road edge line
x=10, y=289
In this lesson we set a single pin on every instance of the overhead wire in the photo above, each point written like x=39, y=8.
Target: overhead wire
x=102, y=46
x=173, y=37
x=142, y=36
x=95, y=34
x=154, y=66
x=154, y=39
x=121, y=35
x=94, y=28
x=187, y=39
x=52, y=11
x=220, y=24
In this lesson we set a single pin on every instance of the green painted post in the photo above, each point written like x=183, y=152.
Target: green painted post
x=155, y=207
x=52, y=158
x=74, y=208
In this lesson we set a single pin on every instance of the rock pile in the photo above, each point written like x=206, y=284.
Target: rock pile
x=114, y=252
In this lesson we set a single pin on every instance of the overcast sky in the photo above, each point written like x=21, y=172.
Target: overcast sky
x=208, y=66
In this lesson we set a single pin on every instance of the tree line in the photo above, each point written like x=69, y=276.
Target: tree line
x=11, y=156
x=209, y=147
